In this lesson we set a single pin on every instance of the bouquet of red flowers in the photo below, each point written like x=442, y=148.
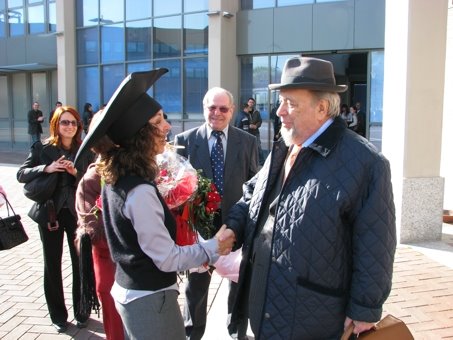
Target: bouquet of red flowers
x=193, y=199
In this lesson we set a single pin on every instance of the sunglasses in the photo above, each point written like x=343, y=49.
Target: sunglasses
x=222, y=109
x=65, y=122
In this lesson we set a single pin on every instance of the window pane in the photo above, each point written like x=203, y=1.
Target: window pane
x=16, y=22
x=2, y=18
x=112, y=76
x=168, y=89
x=195, y=5
x=20, y=101
x=282, y=3
x=87, y=12
x=196, y=34
x=34, y=1
x=195, y=86
x=138, y=9
x=254, y=4
x=88, y=87
x=139, y=67
x=112, y=41
x=15, y=3
x=329, y=0
x=52, y=17
x=87, y=46
x=138, y=40
x=166, y=7
x=36, y=19
x=111, y=11
x=4, y=109
x=39, y=92
x=167, y=37
x=376, y=98
x=254, y=81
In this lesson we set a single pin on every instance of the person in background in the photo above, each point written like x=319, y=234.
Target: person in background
x=277, y=122
x=140, y=228
x=317, y=223
x=353, y=124
x=345, y=114
x=361, y=120
x=169, y=134
x=35, y=119
x=56, y=155
x=243, y=117
x=254, y=127
x=87, y=116
x=57, y=105
x=240, y=164
x=90, y=221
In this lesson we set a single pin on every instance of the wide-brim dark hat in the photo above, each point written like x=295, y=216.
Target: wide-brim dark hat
x=127, y=111
x=308, y=73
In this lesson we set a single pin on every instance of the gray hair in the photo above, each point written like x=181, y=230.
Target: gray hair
x=217, y=90
x=332, y=98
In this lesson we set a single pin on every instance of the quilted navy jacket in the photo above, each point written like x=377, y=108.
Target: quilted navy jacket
x=333, y=241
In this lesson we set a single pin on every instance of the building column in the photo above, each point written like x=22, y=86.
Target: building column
x=415, y=46
x=223, y=65
x=446, y=169
x=66, y=52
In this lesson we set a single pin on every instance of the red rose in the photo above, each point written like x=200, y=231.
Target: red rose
x=211, y=207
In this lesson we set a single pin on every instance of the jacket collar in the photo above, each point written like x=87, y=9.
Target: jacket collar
x=327, y=141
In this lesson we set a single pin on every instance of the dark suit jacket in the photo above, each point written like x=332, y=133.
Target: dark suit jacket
x=241, y=162
x=34, y=126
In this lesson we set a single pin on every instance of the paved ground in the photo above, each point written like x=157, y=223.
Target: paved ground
x=422, y=293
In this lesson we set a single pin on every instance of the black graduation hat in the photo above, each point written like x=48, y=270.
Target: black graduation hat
x=127, y=111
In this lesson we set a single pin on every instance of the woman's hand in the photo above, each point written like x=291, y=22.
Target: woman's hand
x=61, y=165
x=69, y=167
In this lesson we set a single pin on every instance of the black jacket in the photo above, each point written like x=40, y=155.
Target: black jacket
x=333, y=239
x=41, y=155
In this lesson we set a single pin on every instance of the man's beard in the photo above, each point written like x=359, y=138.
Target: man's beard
x=287, y=135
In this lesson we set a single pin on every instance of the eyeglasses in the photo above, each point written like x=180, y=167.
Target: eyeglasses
x=65, y=122
x=222, y=109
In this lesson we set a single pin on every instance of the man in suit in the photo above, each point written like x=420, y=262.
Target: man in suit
x=35, y=119
x=240, y=163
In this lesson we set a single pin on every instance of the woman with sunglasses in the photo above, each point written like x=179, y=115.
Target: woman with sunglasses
x=56, y=155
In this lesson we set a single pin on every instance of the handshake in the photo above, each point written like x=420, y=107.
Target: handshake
x=225, y=240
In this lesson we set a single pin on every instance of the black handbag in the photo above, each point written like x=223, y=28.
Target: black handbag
x=12, y=231
x=44, y=214
x=41, y=188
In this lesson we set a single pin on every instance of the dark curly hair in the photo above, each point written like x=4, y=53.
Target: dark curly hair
x=137, y=155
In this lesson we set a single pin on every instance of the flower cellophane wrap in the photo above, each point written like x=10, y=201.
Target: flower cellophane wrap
x=228, y=266
x=192, y=198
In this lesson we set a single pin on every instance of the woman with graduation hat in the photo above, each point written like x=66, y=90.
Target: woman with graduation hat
x=139, y=227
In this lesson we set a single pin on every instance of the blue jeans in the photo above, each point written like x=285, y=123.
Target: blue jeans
x=35, y=137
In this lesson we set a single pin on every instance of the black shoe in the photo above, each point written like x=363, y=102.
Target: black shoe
x=81, y=324
x=61, y=327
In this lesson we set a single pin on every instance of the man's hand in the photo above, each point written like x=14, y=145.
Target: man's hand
x=359, y=326
x=225, y=240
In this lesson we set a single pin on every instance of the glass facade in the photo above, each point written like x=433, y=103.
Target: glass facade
x=256, y=4
x=117, y=37
x=18, y=17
